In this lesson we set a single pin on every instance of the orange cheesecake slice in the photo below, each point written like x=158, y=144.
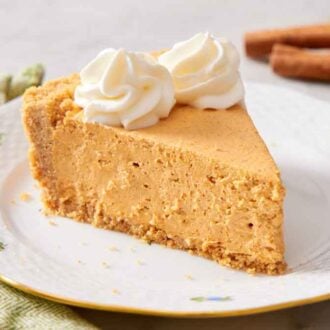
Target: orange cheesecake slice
x=201, y=181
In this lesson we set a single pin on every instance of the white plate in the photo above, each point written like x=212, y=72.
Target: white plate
x=77, y=264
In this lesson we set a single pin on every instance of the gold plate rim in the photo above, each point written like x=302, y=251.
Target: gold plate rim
x=163, y=313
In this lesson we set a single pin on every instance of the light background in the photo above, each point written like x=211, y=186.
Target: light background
x=65, y=34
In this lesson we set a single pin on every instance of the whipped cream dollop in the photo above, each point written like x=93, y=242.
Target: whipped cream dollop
x=205, y=72
x=121, y=88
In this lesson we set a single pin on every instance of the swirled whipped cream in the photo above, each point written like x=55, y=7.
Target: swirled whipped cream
x=205, y=72
x=121, y=88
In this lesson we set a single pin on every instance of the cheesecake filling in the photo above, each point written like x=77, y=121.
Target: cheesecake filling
x=121, y=88
x=205, y=72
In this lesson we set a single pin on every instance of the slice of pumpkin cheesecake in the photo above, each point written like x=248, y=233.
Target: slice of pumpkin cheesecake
x=198, y=180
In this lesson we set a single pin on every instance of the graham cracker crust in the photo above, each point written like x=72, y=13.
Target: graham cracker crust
x=152, y=234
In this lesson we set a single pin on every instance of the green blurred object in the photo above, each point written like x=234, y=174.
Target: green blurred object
x=19, y=310
x=30, y=76
x=5, y=80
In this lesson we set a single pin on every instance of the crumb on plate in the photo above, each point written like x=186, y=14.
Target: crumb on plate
x=52, y=223
x=105, y=264
x=115, y=291
x=145, y=240
x=25, y=197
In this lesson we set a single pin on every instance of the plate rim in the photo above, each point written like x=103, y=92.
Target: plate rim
x=159, y=312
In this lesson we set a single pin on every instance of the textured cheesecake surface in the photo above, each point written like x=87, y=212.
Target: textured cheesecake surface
x=200, y=180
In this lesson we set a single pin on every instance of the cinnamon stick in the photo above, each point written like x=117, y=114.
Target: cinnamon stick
x=260, y=43
x=294, y=62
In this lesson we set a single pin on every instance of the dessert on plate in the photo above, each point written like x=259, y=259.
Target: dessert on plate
x=161, y=146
